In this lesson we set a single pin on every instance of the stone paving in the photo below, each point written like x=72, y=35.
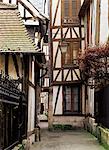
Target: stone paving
x=67, y=140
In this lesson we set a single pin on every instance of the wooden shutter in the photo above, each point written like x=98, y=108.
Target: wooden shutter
x=70, y=10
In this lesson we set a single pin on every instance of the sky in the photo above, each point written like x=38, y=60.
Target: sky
x=39, y=4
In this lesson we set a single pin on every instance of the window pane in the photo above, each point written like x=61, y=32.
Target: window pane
x=74, y=8
x=71, y=99
x=75, y=99
x=66, y=8
x=68, y=98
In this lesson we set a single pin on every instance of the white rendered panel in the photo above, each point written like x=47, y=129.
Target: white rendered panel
x=21, y=9
x=58, y=60
x=73, y=34
x=65, y=73
x=68, y=34
x=64, y=31
x=58, y=34
x=46, y=82
x=59, y=78
x=93, y=21
x=59, y=101
x=69, y=76
x=77, y=31
x=31, y=112
x=58, y=16
x=55, y=46
x=91, y=100
x=83, y=45
x=104, y=22
x=54, y=32
x=5, y=1
x=54, y=5
x=82, y=2
x=55, y=72
x=83, y=35
x=13, y=1
x=74, y=76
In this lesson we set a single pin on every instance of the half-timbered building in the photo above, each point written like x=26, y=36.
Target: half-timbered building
x=20, y=64
x=95, y=19
x=66, y=103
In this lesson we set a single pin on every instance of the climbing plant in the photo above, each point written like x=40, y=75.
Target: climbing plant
x=94, y=65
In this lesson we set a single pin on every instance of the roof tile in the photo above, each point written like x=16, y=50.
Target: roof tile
x=13, y=34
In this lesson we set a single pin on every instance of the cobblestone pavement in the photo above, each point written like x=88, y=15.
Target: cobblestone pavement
x=67, y=140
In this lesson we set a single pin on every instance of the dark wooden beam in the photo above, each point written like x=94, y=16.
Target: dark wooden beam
x=57, y=98
x=65, y=82
x=6, y=63
x=16, y=64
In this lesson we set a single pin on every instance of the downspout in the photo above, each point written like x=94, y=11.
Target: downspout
x=35, y=80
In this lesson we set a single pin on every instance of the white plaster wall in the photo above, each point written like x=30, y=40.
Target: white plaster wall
x=104, y=21
x=82, y=2
x=5, y=1
x=59, y=103
x=13, y=1
x=21, y=9
x=58, y=17
x=58, y=60
x=94, y=4
x=59, y=78
x=85, y=29
x=46, y=82
x=68, y=34
x=65, y=73
x=54, y=32
x=91, y=100
x=31, y=112
x=55, y=46
x=69, y=76
x=74, y=75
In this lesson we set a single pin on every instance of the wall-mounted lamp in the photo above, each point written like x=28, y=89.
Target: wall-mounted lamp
x=64, y=47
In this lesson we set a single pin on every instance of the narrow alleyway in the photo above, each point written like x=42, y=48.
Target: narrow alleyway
x=70, y=140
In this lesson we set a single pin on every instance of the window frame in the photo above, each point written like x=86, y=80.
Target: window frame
x=70, y=52
x=70, y=19
x=72, y=112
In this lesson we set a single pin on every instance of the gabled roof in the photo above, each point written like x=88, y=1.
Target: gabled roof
x=13, y=34
x=33, y=10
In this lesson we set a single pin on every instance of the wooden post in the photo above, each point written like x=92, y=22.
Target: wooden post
x=50, y=99
x=97, y=23
x=50, y=109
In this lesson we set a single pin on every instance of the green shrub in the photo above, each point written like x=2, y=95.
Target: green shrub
x=62, y=127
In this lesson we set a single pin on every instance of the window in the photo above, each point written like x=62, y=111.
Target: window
x=72, y=53
x=71, y=99
x=70, y=10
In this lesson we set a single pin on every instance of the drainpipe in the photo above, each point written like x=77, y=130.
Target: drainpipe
x=35, y=80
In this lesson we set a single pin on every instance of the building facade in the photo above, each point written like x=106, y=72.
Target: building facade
x=96, y=33
x=20, y=65
x=67, y=99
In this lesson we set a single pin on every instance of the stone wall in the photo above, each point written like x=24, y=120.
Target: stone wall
x=75, y=121
x=101, y=133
